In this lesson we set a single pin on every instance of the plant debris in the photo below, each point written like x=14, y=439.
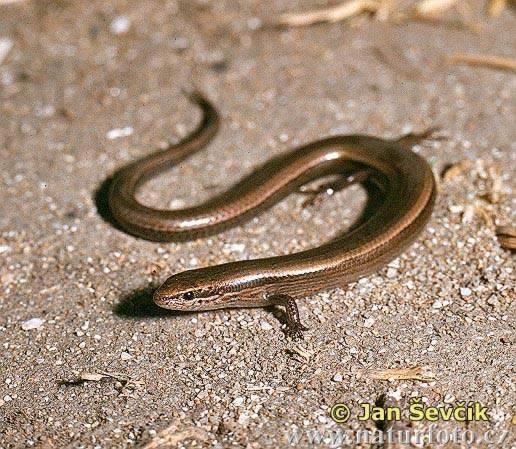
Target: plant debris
x=385, y=10
x=95, y=377
x=415, y=373
x=433, y=8
x=456, y=169
x=172, y=436
x=305, y=354
x=496, y=7
x=125, y=385
x=494, y=62
x=333, y=14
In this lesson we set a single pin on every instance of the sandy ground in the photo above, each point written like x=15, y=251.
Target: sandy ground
x=86, y=87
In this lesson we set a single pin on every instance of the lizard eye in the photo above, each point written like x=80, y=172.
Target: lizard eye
x=188, y=296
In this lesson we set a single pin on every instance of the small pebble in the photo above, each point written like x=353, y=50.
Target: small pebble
x=437, y=304
x=265, y=326
x=125, y=356
x=33, y=323
x=5, y=249
x=392, y=273
x=254, y=23
x=465, y=291
x=119, y=132
x=369, y=322
x=337, y=377
x=238, y=401
x=5, y=47
x=449, y=398
x=456, y=209
x=120, y=25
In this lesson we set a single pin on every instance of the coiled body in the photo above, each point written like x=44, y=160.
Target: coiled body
x=401, y=181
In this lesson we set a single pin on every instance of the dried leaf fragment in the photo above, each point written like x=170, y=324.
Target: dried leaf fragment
x=494, y=62
x=94, y=377
x=302, y=352
x=172, y=436
x=414, y=373
x=456, y=169
x=433, y=8
x=496, y=7
x=333, y=14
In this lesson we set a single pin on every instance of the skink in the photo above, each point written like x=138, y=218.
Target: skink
x=404, y=188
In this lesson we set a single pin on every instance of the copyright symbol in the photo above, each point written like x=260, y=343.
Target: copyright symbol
x=340, y=413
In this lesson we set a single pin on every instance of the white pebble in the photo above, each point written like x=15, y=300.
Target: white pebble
x=115, y=133
x=5, y=47
x=395, y=263
x=126, y=356
x=437, y=304
x=33, y=323
x=397, y=394
x=455, y=208
x=5, y=249
x=243, y=418
x=337, y=378
x=120, y=25
x=254, y=23
x=265, y=326
x=449, y=399
x=465, y=291
x=238, y=401
x=369, y=322
x=392, y=273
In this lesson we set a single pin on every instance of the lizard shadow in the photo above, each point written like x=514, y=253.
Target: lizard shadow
x=100, y=198
x=139, y=304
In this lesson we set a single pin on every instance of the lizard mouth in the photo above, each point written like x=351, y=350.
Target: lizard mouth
x=161, y=299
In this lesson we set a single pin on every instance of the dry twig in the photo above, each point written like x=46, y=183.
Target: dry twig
x=415, y=373
x=495, y=7
x=333, y=14
x=494, y=62
x=433, y=8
